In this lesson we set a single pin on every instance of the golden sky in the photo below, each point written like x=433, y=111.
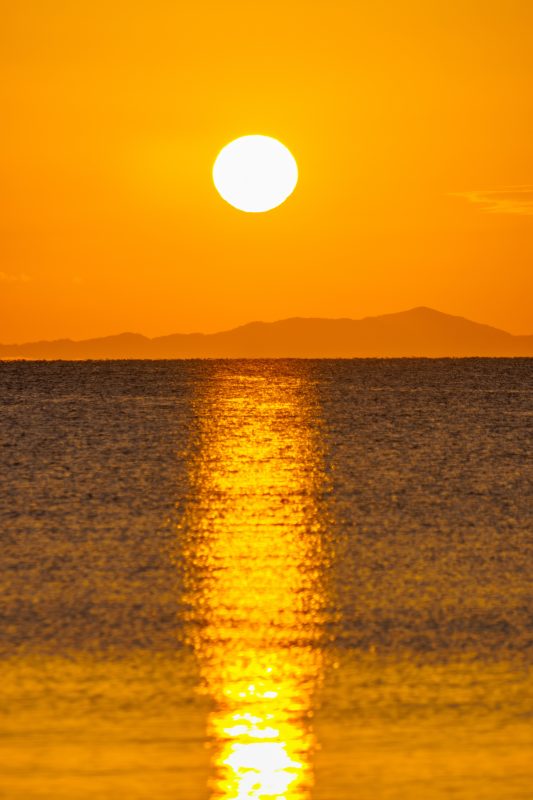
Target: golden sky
x=412, y=125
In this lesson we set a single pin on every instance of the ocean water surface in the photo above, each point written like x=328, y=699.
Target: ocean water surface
x=300, y=580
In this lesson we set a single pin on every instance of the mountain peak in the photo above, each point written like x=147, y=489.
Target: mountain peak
x=418, y=332
x=426, y=310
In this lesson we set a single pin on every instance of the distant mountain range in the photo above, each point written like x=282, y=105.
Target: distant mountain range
x=420, y=332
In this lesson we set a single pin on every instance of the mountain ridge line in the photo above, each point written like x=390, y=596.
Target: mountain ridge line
x=417, y=332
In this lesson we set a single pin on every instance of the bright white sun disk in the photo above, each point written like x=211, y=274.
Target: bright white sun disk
x=255, y=173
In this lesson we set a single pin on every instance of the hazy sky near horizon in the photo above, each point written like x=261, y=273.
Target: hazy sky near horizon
x=412, y=125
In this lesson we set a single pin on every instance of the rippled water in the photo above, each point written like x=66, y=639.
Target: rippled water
x=307, y=580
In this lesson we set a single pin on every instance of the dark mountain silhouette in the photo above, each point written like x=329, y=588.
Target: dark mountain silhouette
x=418, y=332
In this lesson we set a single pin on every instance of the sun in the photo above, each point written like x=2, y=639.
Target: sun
x=255, y=173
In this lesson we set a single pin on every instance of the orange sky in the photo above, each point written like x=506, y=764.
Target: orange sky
x=412, y=125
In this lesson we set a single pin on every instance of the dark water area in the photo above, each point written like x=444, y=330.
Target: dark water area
x=266, y=579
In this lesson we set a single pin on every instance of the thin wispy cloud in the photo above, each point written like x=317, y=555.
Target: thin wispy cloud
x=20, y=277
x=507, y=200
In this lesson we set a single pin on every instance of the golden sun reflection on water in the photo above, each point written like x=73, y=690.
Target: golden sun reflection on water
x=254, y=582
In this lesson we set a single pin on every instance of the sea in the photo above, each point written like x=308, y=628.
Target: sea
x=268, y=580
